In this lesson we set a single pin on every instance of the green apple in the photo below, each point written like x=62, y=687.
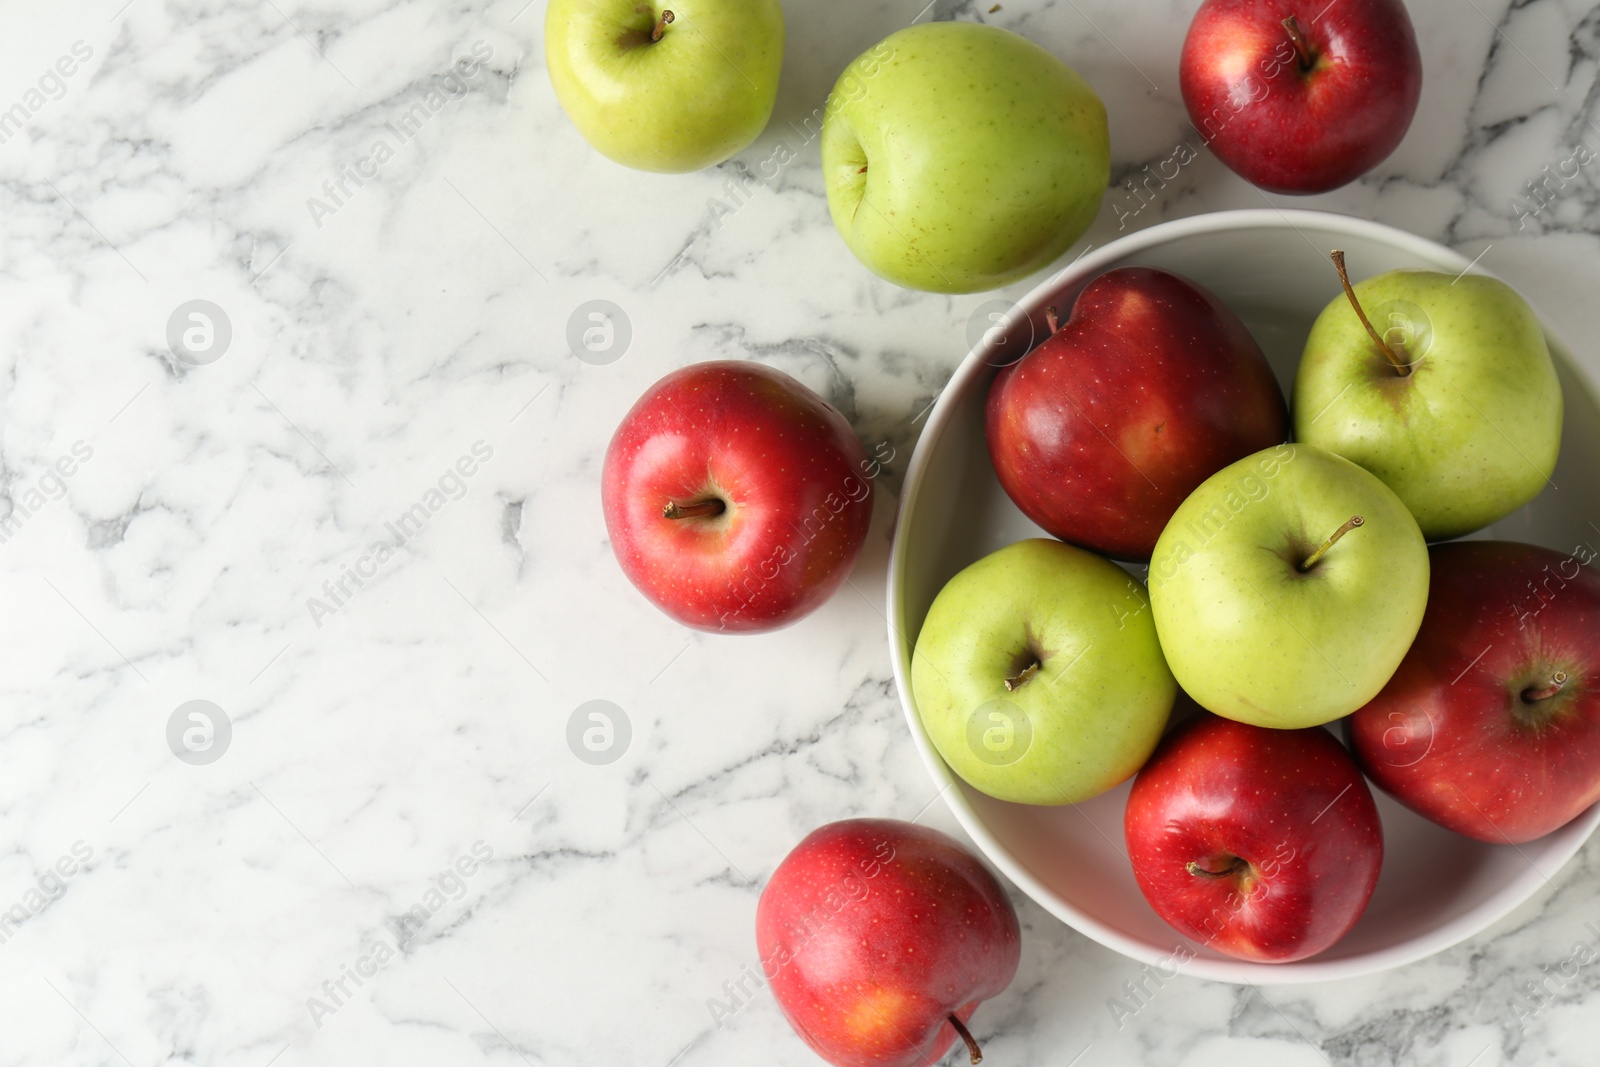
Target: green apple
x=960, y=157
x=1038, y=676
x=1287, y=588
x=1441, y=386
x=669, y=85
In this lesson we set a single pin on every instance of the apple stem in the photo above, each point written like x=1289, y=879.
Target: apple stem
x=1013, y=684
x=1051, y=319
x=966, y=1035
x=1316, y=557
x=1302, y=47
x=1558, y=681
x=1394, y=352
x=661, y=26
x=699, y=508
x=1237, y=864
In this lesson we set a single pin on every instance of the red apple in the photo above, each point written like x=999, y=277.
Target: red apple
x=1149, y=388
x=1303, y=106
x=736, y=498
x=880, y=938
x=1261, y=844
x=1491, y=724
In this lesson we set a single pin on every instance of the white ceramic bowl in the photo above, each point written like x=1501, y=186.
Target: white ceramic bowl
x=1271, y=267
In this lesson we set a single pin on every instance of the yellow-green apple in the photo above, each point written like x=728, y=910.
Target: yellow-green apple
x=1287, y=588
x=1443, y=387
x=880, y=938
x=1491, y=726
x=736, y=498
x=1038, y=676
x=1301, y=96
x=668, y=85
x=1261, y=844
x=1151, y=386
x=960, y=157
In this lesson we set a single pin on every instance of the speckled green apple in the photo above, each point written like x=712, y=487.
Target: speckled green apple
x=1038, y=676
x=1461, y=416
x=1287, y=588
x=668, y=85
x=961, y=157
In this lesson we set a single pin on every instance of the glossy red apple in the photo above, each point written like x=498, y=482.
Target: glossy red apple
x=1491, y=725
x=880, y=938
x=1261, y=844
x=1302, y=106
x=1149, y=388
x=736, y=498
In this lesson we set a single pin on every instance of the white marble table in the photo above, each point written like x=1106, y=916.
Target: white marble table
x=397, y=859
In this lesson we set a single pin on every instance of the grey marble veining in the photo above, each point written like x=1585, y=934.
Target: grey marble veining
x=399, y=689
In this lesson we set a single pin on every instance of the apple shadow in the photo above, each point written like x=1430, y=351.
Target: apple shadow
x=818, y=45
x=1137, y=74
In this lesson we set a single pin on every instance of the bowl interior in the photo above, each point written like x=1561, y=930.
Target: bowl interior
x=1272, y=268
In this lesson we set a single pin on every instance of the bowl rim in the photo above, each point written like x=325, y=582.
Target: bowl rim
x=1568, y=839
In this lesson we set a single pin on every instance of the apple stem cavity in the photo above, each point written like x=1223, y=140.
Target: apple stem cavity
x=1052, y=319
x=661, y=26
x=697, y=509
x=1235, y=865
x=1302, y=47
x=1322, y=550
x=1558, y=682
x=1393, y=351
x=1013, y=684
x=966, y=1035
